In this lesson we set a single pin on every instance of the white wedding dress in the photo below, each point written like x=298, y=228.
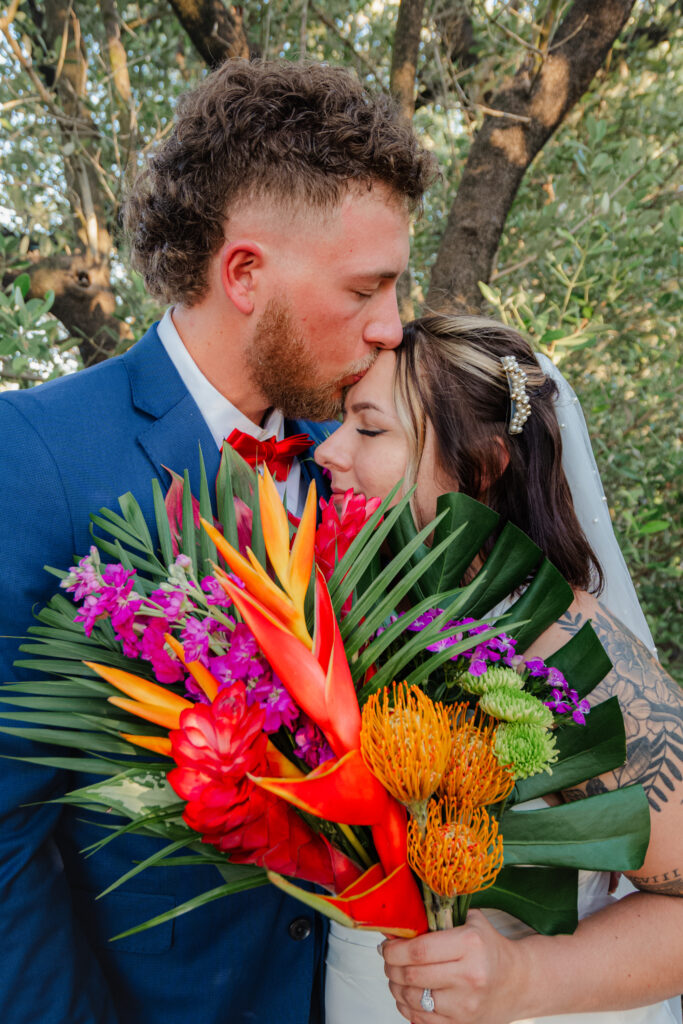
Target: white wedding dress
x=356, y=990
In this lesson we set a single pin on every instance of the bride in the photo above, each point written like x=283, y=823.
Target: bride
x=445, y=412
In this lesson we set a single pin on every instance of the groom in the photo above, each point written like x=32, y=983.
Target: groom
x=274, y=224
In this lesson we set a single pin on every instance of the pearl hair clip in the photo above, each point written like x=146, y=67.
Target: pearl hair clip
x=520, y=406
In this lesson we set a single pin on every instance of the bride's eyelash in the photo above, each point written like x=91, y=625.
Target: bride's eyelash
x=370, y=433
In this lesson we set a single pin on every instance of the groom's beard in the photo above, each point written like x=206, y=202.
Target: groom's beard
x=284, y=370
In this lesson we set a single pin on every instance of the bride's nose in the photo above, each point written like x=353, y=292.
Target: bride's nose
x=332, y=453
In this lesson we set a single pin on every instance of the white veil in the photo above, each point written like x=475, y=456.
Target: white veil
x=590, y=503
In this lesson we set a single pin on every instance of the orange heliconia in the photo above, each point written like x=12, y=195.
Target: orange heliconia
x=284, y=602
x=406, y=741
x=474, y=775
x=460, y=851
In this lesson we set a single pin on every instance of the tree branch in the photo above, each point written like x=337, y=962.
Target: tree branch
x=216, y=31
x=503, y=149
x=404, y=55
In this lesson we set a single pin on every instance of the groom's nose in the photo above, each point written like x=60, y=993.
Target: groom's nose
x=384, y=329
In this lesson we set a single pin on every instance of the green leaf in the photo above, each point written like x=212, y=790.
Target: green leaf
x=544, y=600
x=89, y=765
x=391, y=601
x=132, y=793
x=360, y=542
x=544, y=898
x=163, y=527
x=245, y=881
x=84, y=741
x=189, y=532
x=132, y=513
x=207, y=548
x=583, y=660
x=609, y=832
x=368, y=606
x=225, y=500
x=154, y=858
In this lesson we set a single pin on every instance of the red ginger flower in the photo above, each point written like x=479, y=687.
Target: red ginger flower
x=338, y=529
x=216, y=748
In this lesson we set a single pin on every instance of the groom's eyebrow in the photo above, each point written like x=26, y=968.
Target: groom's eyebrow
x=374, y=275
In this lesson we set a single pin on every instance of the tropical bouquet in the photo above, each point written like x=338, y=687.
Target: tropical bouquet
x=331, y=704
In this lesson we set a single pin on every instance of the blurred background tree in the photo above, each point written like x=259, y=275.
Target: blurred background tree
x=555, y=124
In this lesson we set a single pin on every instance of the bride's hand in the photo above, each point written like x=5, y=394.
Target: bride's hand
x=472, y=971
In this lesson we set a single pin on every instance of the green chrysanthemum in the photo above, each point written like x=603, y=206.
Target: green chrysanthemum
x=515, y=706
x=529, y=748
x=494, y=676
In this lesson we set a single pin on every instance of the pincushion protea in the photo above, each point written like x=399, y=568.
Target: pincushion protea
x=459, y=852
x=406, y=743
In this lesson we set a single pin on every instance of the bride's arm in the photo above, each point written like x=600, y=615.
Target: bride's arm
x=629, y=954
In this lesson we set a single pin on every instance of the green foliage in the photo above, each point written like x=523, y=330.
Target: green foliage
x=589, y=269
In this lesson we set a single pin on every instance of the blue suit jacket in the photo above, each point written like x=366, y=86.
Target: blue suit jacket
x=68, y=448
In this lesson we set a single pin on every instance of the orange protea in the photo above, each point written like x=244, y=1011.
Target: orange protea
x=460, y=851
x=405, y=741
x=474, y=775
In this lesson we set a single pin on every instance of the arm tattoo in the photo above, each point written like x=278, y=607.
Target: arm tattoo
x=652, y=705
x=668, y=884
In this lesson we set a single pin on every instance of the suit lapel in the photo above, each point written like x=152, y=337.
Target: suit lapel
x=176, y=430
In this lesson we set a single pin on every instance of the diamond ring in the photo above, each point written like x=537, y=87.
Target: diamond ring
x=427, y=1000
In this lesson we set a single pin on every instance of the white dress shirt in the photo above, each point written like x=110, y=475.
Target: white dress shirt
x=222, y=417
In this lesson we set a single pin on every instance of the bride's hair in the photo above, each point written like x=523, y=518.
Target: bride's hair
x=449, y=371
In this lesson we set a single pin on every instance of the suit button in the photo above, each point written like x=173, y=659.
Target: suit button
x=300, y=928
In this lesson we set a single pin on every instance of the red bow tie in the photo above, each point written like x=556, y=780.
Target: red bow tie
x=276, y=455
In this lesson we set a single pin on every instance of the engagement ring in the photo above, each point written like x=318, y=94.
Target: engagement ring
x=427, y=1001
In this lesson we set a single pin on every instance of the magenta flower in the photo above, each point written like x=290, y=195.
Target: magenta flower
x=269, y=693
x=94, y=607
x=174, y=603
x=216, y=594
x=167, y=668
x=124, y=621
x=195, y=638
x=310, y=744
x=84, y=578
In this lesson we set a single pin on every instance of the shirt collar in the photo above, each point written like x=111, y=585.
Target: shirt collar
x=220, y=414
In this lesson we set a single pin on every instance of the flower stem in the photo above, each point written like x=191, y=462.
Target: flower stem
x=355, y=844
x=428, y=899
x=461, y=907
x=444, y=913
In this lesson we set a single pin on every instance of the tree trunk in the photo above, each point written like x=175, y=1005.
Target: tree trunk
x=216, y=31
x=404, y=55
x=84, y=298
x=533, y=104
x=402, y=82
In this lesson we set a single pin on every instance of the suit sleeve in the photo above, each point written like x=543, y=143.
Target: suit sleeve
x=47, y=971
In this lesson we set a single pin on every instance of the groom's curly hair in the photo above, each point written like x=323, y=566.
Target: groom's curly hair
x=297, y=133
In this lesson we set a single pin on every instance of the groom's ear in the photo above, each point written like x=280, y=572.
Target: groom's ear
x=240, y=263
